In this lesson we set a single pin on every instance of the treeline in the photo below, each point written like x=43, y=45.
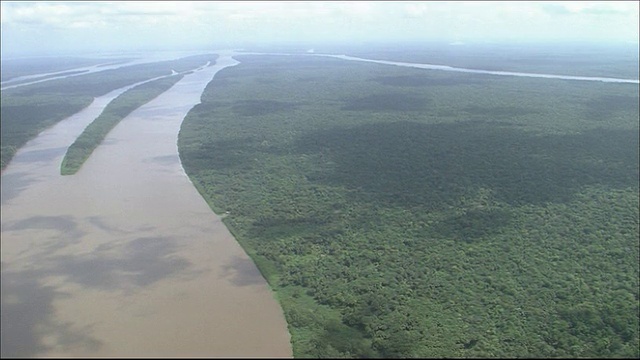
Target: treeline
x=454, y=216
x=116, y=110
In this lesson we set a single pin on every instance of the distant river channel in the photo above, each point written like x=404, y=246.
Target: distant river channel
x=125, y=258
x=456, y=69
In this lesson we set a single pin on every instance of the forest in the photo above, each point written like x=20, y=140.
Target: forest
x=401, y=212
x=26, y=111
x=115, y=111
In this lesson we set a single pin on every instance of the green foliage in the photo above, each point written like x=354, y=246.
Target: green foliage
x=115, y=111
x=470, y=217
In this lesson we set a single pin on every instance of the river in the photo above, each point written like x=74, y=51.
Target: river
x=125, y=258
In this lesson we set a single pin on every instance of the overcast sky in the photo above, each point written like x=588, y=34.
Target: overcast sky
x=48, y=28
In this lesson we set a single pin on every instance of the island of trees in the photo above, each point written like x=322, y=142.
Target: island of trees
x=116, y=110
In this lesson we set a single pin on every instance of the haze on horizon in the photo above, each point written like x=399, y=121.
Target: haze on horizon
x=70, y=28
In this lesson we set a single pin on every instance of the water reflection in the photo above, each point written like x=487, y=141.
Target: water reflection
x=14, y=183
x=141, y=262
x=41, y=155
x=28, y=318
x=242, y=272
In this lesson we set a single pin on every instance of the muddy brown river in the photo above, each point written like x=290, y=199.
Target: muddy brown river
x=125, y=258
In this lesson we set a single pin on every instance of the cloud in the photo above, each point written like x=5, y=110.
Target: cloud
x=624, y=8
x=198, y=23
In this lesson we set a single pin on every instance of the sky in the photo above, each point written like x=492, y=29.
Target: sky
x=54, y=28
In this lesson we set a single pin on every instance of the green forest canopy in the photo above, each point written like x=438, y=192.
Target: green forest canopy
x=408, y=213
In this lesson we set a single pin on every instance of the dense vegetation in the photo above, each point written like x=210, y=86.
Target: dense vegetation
x=409, y=213
x=115, y=111
x=26, y=111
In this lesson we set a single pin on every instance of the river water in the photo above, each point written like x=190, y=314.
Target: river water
x=125, y=258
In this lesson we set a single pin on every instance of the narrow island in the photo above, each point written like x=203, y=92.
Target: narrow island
x=117, y=110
